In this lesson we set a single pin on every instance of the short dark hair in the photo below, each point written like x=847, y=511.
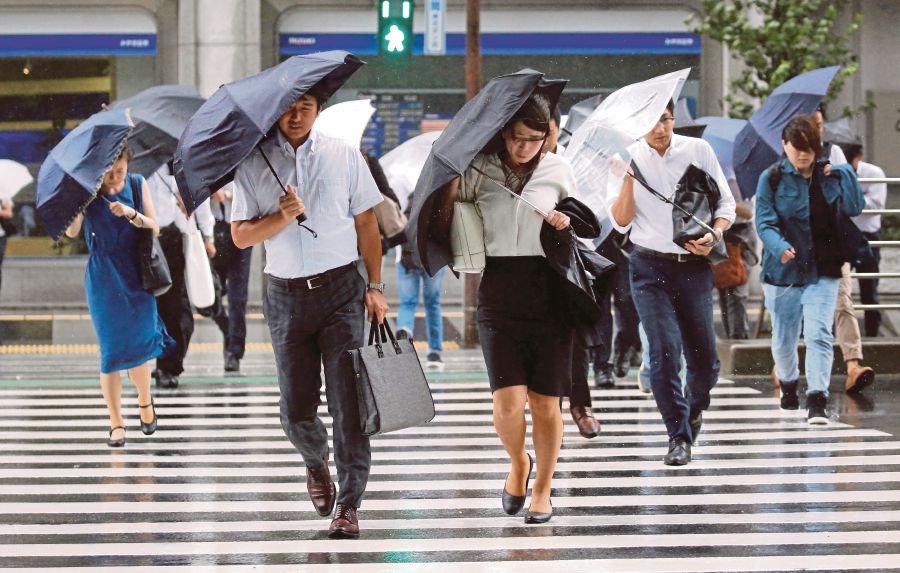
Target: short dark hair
x=556, y=116
x=802, y=133
x=125, y=154
x=851, y=150
x=534, y=113
x=821, y=109
x=671, y=106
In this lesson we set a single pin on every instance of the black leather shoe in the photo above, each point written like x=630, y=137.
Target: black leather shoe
x=116, y=443
x=513, y=504
x=604, y=379
x=679, y=452
x=695, y=421
x=232, y=362
x=539, y=517
x=149, y=427
x=622, y=363
x=584, y=419
x=166, y=380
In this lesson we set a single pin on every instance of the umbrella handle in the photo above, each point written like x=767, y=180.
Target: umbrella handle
x=302, y=216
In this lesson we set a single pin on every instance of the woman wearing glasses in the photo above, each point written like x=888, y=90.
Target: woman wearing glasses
x=527, y=345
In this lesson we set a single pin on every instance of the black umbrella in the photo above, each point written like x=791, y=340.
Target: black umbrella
x=160, y=115
x=236, y=118
x=473, y=128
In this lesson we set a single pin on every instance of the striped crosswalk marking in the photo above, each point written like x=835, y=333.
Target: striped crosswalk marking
x=220, y=489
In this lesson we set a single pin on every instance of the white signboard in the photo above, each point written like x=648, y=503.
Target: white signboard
x=435, y=33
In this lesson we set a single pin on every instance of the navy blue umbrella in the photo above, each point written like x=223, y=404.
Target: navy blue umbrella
x=73, y=171
x=160, y=115
x=474, y=128
x=236, y=118
x=758, y=145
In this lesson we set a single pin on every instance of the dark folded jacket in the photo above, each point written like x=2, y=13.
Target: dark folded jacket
x=576, y=265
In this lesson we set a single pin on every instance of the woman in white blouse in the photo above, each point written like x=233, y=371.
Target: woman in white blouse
x=527, y=344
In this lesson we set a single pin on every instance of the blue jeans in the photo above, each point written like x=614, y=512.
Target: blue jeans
x=408, y=283
x=674, y=302
x=814, y=305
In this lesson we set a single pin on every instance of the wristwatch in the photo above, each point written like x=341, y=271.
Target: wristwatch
x=377, y=286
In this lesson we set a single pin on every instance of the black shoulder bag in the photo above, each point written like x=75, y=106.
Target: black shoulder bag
x=152, y=265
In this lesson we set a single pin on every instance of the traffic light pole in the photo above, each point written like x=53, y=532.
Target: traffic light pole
x=473, y=85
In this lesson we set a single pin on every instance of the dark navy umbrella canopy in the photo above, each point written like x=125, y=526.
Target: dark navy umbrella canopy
x=227, y=128
x=73, y=171
x=758, y=145
x=576, y=116
x=472, y=129
x=160, y=115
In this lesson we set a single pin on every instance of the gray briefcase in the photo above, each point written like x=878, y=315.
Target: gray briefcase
x=390, y=384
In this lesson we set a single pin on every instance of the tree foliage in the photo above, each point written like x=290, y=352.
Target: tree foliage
x=777, y=40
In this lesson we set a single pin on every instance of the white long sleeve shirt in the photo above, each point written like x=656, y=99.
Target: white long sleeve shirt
x=164, y=190
x=876, y=196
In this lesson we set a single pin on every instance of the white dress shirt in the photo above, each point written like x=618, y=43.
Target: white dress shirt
x=876, y=196
x=164, y=191
x=652, y=226
x=335, y=184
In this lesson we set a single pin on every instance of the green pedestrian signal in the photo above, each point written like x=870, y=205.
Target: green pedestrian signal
x=395, y=27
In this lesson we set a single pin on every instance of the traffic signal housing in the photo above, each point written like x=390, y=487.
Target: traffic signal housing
x=395, y=27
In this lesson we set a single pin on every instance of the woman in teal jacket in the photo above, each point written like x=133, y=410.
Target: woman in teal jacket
x=797, y=203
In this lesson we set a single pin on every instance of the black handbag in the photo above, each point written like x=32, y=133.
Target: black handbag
x=392, y=391
x=156, y=278
x=8, y=226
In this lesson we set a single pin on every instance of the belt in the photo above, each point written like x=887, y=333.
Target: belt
x=677, y=257
x=312, y=282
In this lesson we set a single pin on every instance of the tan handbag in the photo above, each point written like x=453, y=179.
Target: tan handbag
x=391, y=219
x=467, y=230
x=730, y=273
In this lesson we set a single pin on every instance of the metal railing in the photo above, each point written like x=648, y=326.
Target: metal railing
x=879, y=244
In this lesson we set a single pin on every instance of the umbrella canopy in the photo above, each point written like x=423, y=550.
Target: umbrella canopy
x=472, y=129
x=841, y=131
x=404, y=164
x=576, y=116
x=13, y=178
x=621, y=119
x=231, y=123
x=346, y=120
x=73, y=171
x=758, y=145
x=720, y=133
x=160, y=115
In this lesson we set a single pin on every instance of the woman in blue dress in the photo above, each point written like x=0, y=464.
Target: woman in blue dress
x=124, y=315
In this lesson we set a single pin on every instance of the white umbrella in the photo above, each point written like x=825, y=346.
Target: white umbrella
x=621, y=119
x=346, y=120
x=13, y=178
x=403, y=164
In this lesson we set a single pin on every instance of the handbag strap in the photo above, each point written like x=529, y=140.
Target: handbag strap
x=380, y=334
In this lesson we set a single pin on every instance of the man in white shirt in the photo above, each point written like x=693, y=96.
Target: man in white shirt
x=870, y=225
x=174, y=305
x=671, y=285
x=316, y=301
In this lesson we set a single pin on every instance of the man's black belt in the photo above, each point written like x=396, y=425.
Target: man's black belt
x=312, y=282
x=676, y=257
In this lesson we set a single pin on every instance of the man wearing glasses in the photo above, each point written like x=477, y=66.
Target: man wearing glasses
x=672, y=286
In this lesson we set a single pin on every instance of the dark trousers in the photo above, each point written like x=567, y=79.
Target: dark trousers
x=3, y=240
x=674, y=302
x=580, y=392
x=616, y=283
x=174, y=307
x=868, y=288
x=232, y=266
x=312, y=328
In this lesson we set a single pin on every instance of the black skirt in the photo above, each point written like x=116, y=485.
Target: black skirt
x=524, y=340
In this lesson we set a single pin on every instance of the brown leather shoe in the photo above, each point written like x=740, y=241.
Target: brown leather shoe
x=321, y=489
x=859, y=378
x=345, y=524
x=588, y=426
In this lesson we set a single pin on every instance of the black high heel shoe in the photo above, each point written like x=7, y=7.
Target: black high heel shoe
x=513, y=504
x=116, y=443
x=149, y=427
x=538, y=516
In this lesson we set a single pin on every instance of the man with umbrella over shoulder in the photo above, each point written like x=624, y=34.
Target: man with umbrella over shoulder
x=672, y=284
x=315, y=301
